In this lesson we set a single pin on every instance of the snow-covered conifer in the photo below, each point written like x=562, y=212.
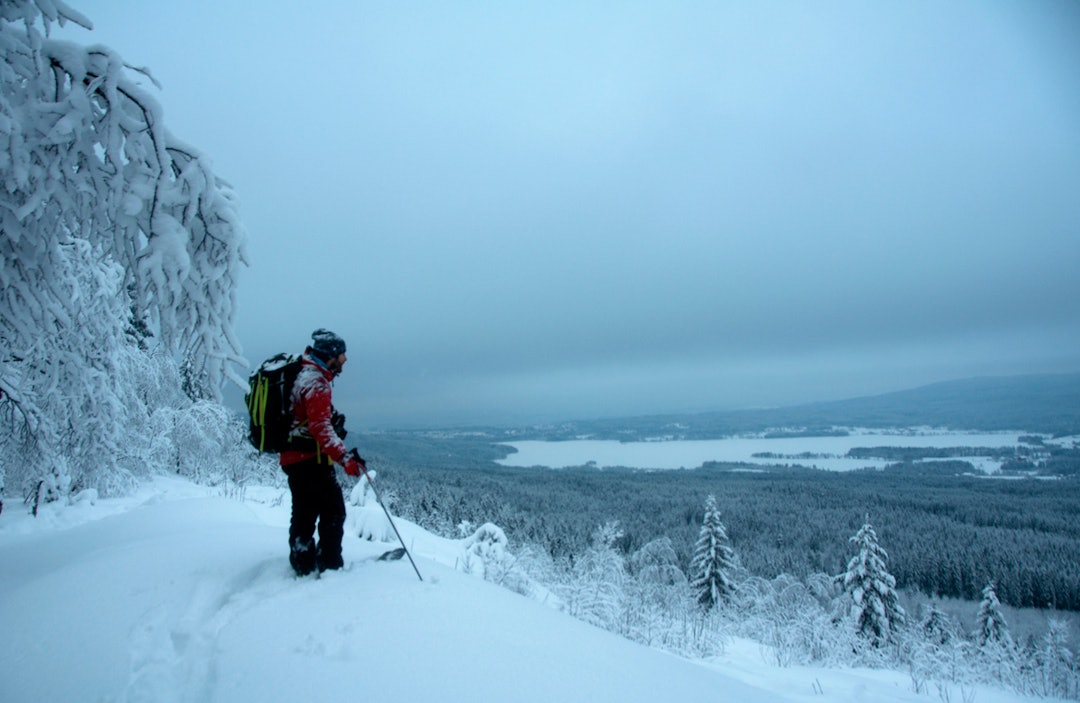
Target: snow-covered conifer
x=713, y=560
x=936, y=651
x=112, y=233
x=1000, y=660
x=990, y=624
x=872, y=589
x=937, y=627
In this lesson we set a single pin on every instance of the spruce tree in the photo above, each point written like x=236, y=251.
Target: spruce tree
x=872, y=589
x=713, y=560
x=990, y=625
x=937, y=627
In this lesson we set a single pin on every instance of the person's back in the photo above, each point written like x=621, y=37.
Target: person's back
x=316, y=429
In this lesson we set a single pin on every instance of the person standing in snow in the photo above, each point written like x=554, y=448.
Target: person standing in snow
x=315, y=447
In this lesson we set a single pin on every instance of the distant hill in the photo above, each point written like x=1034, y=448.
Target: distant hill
x=1049, y=403
x=1044, y=403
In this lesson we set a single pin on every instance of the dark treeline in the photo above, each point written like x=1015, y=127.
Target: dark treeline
x=1033, y=458
x=920, y=453
x=946, y=534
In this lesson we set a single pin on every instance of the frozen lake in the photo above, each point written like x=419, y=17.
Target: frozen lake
x=826, y=453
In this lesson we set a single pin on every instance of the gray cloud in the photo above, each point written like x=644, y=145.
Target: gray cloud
x=562, y=211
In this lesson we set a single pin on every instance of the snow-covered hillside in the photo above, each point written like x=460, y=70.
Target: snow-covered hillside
x=180, y=594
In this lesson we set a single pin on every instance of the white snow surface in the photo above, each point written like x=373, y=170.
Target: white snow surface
x=181, y=594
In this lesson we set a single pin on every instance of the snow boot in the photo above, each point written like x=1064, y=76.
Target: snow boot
x=302, y=556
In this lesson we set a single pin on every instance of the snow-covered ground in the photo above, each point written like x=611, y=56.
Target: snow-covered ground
x=180, y=594
x=827, y=453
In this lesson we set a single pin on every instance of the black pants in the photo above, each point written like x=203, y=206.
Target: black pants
x=316, y=497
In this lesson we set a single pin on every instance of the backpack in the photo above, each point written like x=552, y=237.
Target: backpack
x=269, y=402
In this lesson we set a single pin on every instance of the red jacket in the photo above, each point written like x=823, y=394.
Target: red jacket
x=312, y=412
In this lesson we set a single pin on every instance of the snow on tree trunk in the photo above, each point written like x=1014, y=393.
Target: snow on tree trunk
x=111, y=231
x=871, y=590
x=713, y=560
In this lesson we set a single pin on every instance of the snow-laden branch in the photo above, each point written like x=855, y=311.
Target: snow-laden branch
x=112, y=233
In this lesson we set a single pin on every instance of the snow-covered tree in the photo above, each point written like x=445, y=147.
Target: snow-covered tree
x=713, y=560
x=487, y=555
x=937, y=627
x=596, y=590
x=872, y=589
x=936, y=652
x=786, y=616
x=1057, y=665
x=656, y=594
x=990, y=625
x=656, y=563
x=1000, y=660
x=113, y=233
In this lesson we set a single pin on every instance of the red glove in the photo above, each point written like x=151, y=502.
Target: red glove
x=354, y=464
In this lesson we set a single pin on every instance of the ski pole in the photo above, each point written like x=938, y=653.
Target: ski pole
x=378, y=498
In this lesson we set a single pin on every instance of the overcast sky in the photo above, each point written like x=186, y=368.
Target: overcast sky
x=533, y=211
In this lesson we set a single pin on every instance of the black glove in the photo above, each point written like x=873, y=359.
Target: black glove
x=337, y=420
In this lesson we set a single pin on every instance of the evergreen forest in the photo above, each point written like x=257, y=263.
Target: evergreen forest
x=947, y=533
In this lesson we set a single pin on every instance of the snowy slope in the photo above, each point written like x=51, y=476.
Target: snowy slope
x=178, y=594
